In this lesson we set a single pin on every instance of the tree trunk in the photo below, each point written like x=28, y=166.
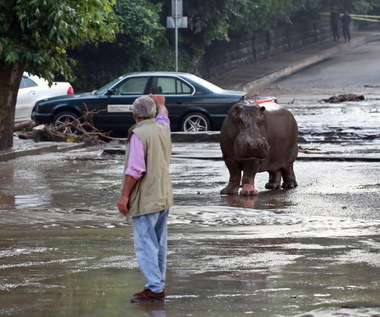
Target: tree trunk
x=10, y=77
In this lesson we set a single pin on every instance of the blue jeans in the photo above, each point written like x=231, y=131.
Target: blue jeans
x=150, y=239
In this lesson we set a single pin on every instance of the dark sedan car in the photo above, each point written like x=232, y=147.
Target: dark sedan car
x=194, y=104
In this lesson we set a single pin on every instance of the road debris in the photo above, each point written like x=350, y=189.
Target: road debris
x=343, y=98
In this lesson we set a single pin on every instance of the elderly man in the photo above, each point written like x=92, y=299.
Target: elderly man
x=146, y=194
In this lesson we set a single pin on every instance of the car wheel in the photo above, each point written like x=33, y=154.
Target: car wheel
x=67, y=119
x=195, y=122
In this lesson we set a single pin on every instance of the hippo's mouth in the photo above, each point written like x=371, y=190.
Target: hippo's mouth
x=252, y=155
x=245, y=148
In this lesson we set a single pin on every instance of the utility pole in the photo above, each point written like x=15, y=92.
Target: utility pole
x=177, y=20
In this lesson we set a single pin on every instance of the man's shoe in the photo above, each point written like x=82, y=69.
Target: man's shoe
x=147, y=295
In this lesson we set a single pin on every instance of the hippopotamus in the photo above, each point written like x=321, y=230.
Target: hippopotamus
x=259, y=138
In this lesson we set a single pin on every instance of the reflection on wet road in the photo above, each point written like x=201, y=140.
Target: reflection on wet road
x=285, y=252
x=347, y=122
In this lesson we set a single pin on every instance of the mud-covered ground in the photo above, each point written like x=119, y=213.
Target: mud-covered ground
x=309, y=251
x=314, y=249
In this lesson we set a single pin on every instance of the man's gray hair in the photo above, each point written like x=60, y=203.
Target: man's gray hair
x=144, y=107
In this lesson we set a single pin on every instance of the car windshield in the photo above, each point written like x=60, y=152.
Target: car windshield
x=106, y=87
x=206, y=84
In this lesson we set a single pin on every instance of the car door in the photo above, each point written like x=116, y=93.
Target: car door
x=178, y=96
x=26, y=98
x=116, y=107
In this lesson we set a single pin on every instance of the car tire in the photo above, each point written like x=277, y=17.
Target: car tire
x=65, y=118
x=195, y=122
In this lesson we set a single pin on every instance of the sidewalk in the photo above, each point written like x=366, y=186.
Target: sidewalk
x=30, y=147
x=244, y=78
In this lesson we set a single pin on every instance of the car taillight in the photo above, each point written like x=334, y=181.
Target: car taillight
x=260, y=100
x=70, y=91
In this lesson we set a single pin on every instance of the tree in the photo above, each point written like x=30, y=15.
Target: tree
x=34, y=36
x=218, y=20
x=136, y=43
x=353, y=6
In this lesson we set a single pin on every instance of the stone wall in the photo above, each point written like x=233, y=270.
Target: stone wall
x=368, y=26
x=241, y=50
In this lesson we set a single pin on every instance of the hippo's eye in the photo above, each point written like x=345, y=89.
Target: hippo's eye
x=240, y=122
x=259, y=120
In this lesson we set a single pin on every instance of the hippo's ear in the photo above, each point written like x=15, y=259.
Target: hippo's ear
x=236, y=109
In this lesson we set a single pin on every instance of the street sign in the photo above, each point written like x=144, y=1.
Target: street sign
x=179, y=22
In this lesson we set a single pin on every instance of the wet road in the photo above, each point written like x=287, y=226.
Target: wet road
x=280, y=253
x=309, y=251
x=354, y=67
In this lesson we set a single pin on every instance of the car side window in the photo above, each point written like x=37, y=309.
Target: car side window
x=26, y=82
x=132, y=86
x=22, y=83
x=172, y=86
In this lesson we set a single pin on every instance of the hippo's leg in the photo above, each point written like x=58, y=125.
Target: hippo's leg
x=274, y=180
x=233, y=185
x=248, y=181
x=289, y=177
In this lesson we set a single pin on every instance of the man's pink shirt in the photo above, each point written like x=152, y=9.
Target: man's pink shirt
x=136, y=162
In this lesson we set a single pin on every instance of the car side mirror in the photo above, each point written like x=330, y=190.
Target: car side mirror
x=109, y=92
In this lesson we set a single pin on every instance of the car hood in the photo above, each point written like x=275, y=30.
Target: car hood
x=66, y=97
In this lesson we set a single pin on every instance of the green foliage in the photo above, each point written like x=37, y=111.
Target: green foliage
x=217, y=20
x=352, y=6
x=139, y=22
x=37, y=33
x=263, y=15
x=140, y=33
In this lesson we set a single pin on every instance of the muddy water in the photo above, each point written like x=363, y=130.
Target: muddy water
x=65, y=251
x=213, y=272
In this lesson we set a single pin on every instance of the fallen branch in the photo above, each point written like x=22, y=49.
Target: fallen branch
x=80, y=130
x=343, y=98
x=306, y=151
x=26, y=125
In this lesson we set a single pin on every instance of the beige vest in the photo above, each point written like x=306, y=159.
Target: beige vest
x=153, y=191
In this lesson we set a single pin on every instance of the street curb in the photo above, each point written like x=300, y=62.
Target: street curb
x=13, y=154
x=321, y=158
x=210, y=136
